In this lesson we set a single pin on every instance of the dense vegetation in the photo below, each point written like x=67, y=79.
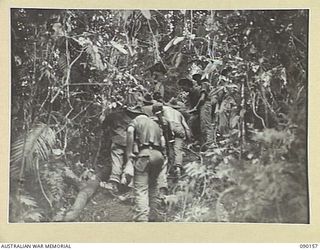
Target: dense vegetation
x=71, y=67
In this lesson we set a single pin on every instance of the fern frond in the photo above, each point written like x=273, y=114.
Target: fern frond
x=40, y=140
x=194, y=169
x=52, y=178
x=32, y=216
x=28, y=201
x=89, y=50
x=54, y=182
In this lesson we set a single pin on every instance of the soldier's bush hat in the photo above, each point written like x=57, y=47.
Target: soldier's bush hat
x=147, y=99
x=157, y=108
x=157, y=96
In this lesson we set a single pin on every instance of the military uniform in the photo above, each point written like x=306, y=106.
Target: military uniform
x=181, y=132
x=206, y=121
x=117, y=124
x=201, y=120
x=149, y=163
x=163, y=183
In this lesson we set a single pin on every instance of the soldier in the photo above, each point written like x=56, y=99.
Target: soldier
x=181, y=133
x=204, y=107
x=147, y=109
x=158, y=72
x=192, y=100
x=116, y=124
x=157, y=97
x=200, y=107
x=147, y=103
x=148, y=135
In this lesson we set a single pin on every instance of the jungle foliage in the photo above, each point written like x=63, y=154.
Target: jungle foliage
x=71, y=67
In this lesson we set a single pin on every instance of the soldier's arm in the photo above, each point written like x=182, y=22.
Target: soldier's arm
x=168, y=131
x=201, y=100
x=186, y=127
x=130, y=141
x=203, y=94
x=163, y=143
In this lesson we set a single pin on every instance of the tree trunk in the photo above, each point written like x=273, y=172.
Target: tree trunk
x=83, y=196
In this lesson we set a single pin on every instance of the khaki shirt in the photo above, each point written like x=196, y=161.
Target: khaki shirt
x=147, y=109
x=117, y=124
x=147, y=131
x=176, y=120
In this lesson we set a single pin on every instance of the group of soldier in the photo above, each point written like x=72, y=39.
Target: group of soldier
x=148, y=141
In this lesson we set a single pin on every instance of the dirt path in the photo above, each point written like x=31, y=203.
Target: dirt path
x=103, y=207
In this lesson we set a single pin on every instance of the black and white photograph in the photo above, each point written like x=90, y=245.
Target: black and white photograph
x=159, y=115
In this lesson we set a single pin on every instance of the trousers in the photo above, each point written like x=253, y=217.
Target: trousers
x=206, y=123
x=162, y=178
x=176, y=152
x=194, y=124
x=117, y=156
x=146, y=184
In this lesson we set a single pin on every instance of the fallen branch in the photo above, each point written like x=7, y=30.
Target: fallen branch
x=83, y=196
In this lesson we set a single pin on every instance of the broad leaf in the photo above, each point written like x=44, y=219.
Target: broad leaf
x=178, y=40
x=94, y=52
x=234, y=121
x=183, y=11
x=174, y=41
x=211, y=67
x=126, y=14
x=146, y=14
x=119, y=47
x=58, y=29
x=283, y=76
x=169, y=45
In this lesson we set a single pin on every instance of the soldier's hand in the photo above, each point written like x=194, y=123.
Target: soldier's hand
x=128, y=168
x=188, y=135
